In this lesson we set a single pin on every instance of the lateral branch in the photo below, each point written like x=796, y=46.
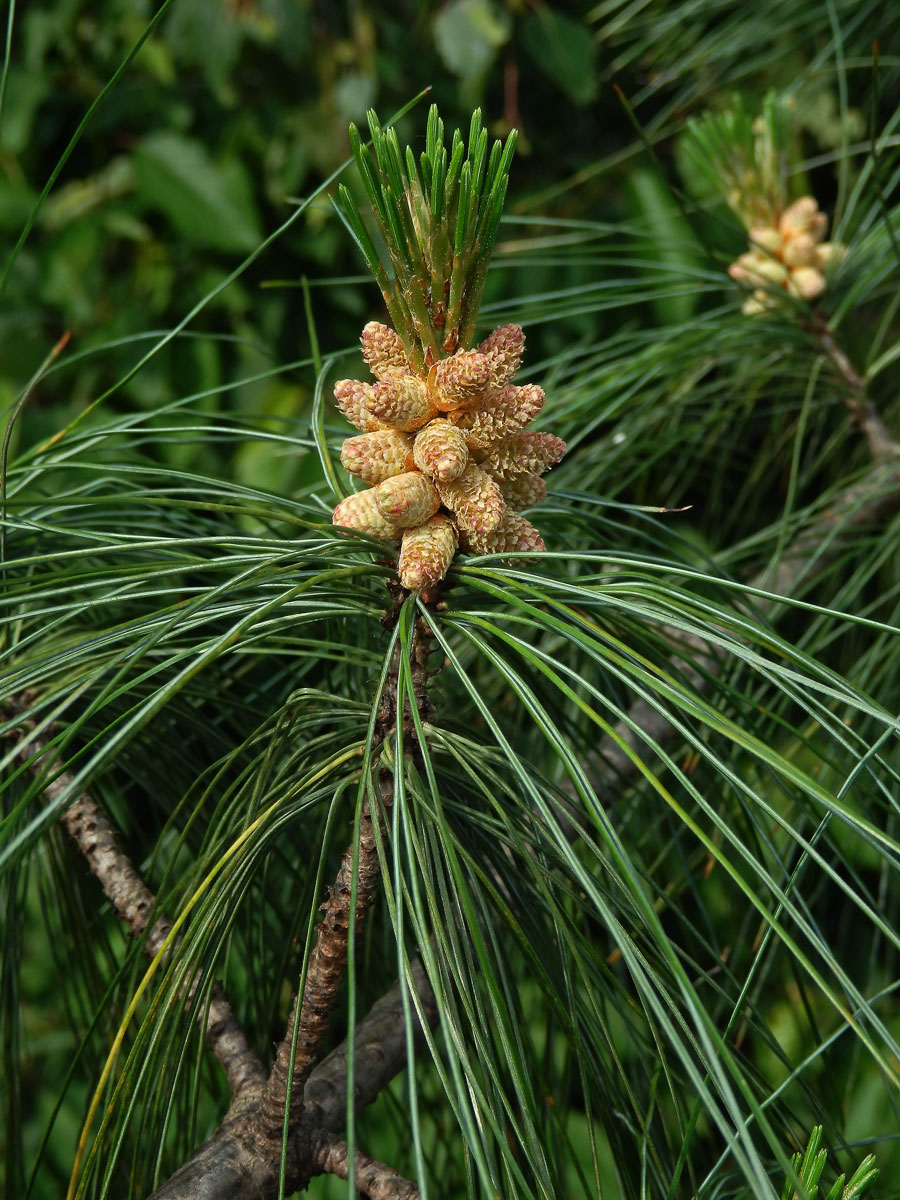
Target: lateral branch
x=238, y=1163
x=89, y=825
x=863, y=413
x=864, y=504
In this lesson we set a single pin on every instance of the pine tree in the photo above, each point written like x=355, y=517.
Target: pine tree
x=534, y=842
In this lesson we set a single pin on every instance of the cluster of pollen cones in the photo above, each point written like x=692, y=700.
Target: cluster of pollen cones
x=446, y=456
x=788, y=254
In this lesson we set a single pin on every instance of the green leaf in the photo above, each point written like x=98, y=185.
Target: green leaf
x=670, y=242
x=468, y=34
x=25, y=93
x=354, y=93
x=81, y=197
x=565, y=51
x=197, y=34
x=16, y=202
x=209, y=204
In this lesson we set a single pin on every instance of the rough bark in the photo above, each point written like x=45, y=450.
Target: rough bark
x=93, y=832
x=240, y=1161
x=243, y=1157
x=373, y=1179
x=325, y=974
x=328, y=959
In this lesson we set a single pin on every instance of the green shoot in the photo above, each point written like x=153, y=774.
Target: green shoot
x=437, y=219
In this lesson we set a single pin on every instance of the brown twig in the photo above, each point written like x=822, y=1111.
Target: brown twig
x=864, y=503
x=863, y=413
x=134, y=904
x=331, y=1156
x=324, y=976
x=238, y=1164
x=328, y=959
x=243, y=1157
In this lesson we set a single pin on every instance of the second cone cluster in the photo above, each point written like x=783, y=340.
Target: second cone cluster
x=789, y=254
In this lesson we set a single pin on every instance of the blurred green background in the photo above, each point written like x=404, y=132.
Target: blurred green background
x=228, y=112
x=232, y=110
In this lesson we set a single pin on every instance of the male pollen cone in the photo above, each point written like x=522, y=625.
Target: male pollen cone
x=447, y=454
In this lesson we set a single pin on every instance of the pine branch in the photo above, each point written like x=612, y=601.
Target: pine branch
x=331, y=1156
x=328, y=960
x=863, y=413
x=243, y=1158
x=237, y=1163
x=90, y=827
x=325, y=975
x=865, y=503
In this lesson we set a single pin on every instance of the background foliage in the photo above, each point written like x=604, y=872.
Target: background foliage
x=752, y=888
